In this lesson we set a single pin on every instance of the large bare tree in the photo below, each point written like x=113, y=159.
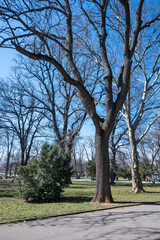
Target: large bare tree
x=83, y=31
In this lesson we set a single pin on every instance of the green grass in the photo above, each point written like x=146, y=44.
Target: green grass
x=76, y=198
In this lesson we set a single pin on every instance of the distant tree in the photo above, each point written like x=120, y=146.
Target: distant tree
x=144, y=168
x=149, y=149
x=18, y=117
x=124, y=172
x=91, y=168
x=152, y=144
x=8, y=143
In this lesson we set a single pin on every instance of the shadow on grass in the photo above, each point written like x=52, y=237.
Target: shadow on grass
x=152, y=192
x=75, y=199
x=64, y=200
x=152, y=185
x=122, y=185
x=125, y=184
x=81, y=186
x=83, y=183
x=8, y=193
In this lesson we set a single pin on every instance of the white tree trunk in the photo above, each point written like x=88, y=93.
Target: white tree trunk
x=137, y=185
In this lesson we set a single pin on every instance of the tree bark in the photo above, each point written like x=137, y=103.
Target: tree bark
x=22, y=158
x=7, y=165
x=137, y=185
x=113, y=164
x=103, y=191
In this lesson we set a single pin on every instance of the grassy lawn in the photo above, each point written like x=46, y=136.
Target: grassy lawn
x=76, y=198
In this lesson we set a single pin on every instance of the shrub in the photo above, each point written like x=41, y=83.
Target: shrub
x=43, y=180
x=145, y=168
x=123, y=172
x=91, y=168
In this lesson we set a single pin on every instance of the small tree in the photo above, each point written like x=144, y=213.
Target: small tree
x=92, y=168
x=42, y=180
x=145, y=168
x=124, y=172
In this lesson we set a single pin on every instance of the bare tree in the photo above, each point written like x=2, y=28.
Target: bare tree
x=150, y=145
x=78, y=159
x=141, y=108
x=18, y=117
x=79, y=30
x=6, y=147
x=58, y=100
x=89, y=147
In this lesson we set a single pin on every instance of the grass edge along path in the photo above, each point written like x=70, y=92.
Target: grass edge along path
x=75, y=200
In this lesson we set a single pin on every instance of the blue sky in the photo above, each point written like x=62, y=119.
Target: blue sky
x=6, y=61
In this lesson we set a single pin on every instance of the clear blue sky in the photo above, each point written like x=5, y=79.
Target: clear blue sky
x=6, y=61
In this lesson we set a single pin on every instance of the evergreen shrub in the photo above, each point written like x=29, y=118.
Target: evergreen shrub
x=43, y=179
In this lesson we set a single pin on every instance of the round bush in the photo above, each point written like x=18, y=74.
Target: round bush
x=43, y=180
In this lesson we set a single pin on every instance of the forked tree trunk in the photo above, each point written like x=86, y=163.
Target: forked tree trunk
x=137, y=185
x=103, y=191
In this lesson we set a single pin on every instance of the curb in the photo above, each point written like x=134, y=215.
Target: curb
x=77, y=213
x=71, y=214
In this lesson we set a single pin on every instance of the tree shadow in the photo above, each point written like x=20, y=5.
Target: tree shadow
x=8, y=193
x=128, y=223
x=118, y=184
x=80, y=186
x=77, y=184
x=75, y=199
x=152, y=192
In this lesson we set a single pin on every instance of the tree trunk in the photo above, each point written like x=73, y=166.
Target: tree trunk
x=7, y=165
x=113, y=164
x=103, y=191
x=137, y=185
x=22, y=158
x=69, y=149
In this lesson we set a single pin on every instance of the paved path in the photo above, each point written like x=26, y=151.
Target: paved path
x=138, y=222
x=116, y=181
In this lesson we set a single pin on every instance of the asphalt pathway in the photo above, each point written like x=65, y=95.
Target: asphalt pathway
x=129, y=223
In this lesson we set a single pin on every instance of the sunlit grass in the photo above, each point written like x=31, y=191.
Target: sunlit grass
x=76, y=198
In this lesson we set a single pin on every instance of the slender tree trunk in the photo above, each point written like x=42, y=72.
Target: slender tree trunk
x=26, y=160
x=10, y=170
x=113, y=164
x=7, y=165
x=137, y=185
x=22, y=158
x=103, y=191
x=69, y=149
